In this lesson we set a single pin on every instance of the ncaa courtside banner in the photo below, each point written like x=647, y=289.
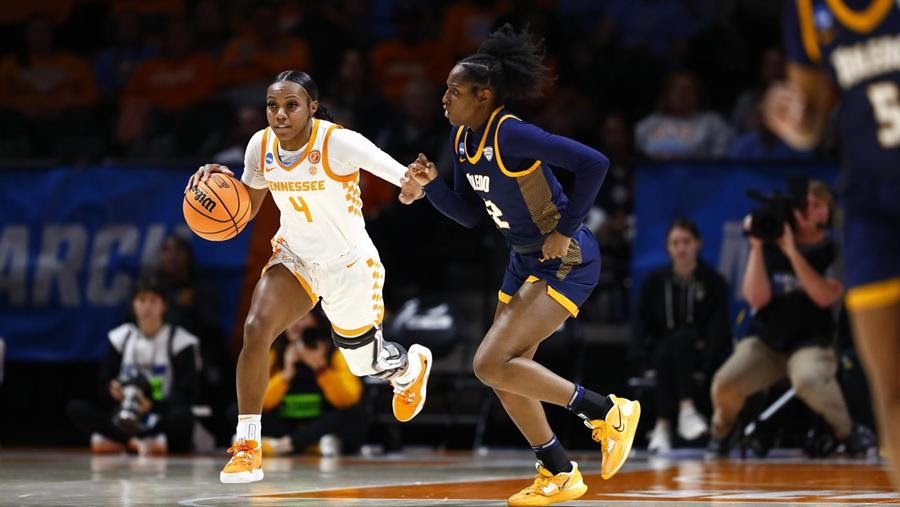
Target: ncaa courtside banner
x=72, y=243
x=714, y=196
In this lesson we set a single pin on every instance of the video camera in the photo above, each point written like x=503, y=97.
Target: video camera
x=129, y=417
x=778, y=209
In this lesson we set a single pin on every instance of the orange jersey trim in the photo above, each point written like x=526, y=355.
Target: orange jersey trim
x=309, y=145
x=808, y=30
x=350, y=177
x=861, y=21
x=874, y=295
x=264, y=149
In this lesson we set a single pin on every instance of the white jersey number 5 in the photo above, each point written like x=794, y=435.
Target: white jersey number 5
x=496, y=213
x=886, y=104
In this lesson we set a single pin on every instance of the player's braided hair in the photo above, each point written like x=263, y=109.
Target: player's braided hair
x=312, y=89
x=510, y=63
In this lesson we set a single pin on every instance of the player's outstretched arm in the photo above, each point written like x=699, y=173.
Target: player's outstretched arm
x=459, y=203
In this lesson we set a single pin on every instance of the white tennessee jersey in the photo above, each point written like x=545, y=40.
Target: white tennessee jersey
x=316, y=188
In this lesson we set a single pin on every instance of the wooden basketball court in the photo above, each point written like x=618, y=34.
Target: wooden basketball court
x=421, y=477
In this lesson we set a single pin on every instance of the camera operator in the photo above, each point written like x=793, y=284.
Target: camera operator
x=312, y=397
x=792, y=328
x=147, y=383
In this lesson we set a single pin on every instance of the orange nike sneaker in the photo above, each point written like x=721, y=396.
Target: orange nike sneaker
x=615, y=433
x=549, y=489
x=408, y=401
x=245, y=464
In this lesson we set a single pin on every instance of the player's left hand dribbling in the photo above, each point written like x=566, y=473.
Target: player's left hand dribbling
x=555, y=246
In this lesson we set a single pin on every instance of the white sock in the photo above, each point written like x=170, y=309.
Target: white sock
x=249, y=427
x=413, y=368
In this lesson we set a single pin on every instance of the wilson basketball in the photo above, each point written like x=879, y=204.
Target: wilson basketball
x=218, y=208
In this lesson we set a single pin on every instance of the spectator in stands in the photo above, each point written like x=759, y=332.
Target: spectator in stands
x=312, y=397
x=790, y=289
x=43, y=89
x=212, y=30
x=682, y=334
x=147, y=383
x=410, y=56
x=165, y=107
x=745, y=115
x=468, y=23
x=252, y=59
x=680, y=129
x=353, y=97
x=417, y=127
x=116, y=62
x=248, y=121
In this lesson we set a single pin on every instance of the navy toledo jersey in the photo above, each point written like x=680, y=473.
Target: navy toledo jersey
x=858, y=43
x=525, y=201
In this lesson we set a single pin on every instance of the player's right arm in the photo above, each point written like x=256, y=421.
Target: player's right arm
x=459, y=203
x=798, y=109
x=252, y=179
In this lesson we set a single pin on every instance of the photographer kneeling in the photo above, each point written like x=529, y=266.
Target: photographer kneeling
x=147, y=383
x=791, y=331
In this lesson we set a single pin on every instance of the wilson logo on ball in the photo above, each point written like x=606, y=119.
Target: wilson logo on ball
x=203, y=199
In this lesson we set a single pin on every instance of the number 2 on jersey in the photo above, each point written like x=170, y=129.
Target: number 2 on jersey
x=886, y=103
x=301, y=207
x=496, y=213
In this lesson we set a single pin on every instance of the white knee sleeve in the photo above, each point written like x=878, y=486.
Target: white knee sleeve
x=369, y=354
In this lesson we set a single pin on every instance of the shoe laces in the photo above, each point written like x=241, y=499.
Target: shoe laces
x=541, y=481
x=241, y=452
x=406, y=395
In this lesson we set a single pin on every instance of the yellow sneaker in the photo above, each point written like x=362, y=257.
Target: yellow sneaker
x=245, y=464
x=616, y=433
x=409, y=401
x=548, y=488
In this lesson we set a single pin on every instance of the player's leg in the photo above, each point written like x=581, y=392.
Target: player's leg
x=353, y=304
x=528, y=415
x=500, y=362
x=278, y=300
x=876, y=331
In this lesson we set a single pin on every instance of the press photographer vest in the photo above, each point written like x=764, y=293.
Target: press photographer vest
x=152, y=356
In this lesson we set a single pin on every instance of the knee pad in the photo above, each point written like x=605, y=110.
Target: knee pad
x=369, y=354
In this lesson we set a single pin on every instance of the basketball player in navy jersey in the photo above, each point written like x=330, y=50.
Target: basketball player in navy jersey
x=853, y=46
x=501, y=166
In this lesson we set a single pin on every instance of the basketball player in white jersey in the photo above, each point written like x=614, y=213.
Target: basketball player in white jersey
x=311, y=168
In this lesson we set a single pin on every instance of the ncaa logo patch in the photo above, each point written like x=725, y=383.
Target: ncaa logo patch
x=462, y=149
x=822, y=18
x=314, y=157
x=269, y=158
x=489, y=153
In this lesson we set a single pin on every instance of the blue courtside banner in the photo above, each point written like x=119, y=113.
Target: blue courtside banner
x=714, y=196
x=73, y=241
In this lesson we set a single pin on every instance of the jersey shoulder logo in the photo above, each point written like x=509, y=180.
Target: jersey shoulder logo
x=269, y=158
x=489, y=153
x=315, y=156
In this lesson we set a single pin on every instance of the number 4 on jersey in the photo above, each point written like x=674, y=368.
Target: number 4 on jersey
x=496, y=213
x=301, y=207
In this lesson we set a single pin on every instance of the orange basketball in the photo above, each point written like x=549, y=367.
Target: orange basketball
x=218, y=208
